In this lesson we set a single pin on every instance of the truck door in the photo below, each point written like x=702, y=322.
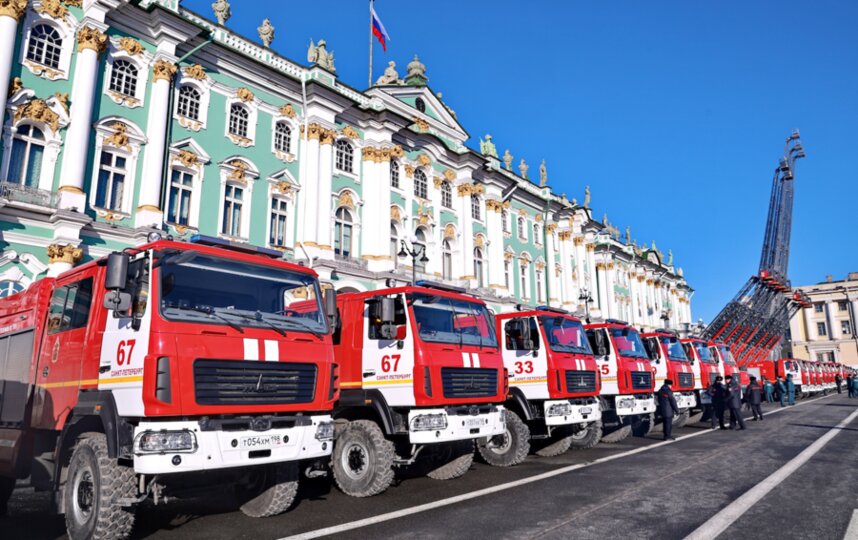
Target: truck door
x=388, y=364
x=62, y=353
x=525, y=358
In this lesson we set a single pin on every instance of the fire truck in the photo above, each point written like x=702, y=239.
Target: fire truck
x=670, y=362
x=722, y=354
x=771, y=369
x=626, y=397
x=422, y=377
x=706, y=368
x=154, y=370
x=554, y=385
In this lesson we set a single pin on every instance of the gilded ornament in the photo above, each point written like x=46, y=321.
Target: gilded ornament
x=479, y=241
x=494, y=205
x=423, y=160
x=244, y=94
x=564, y=235
x=449, y=231
x=540, y=265
x=538, y=218
x=119, y=137
x=464, y=190
x=288, y=110
x=369, y=153
x=195, y=71
x=187, y=158
x=131, y=46
x=551, y=228
x=91, y=38
x=382, y=154
x=346, y=200
x=52, y=8
x=395, y=214
x=450, y=175
x=422, y=125
x=238, y=171
x=397, y=151
x=13, y=8
x=38, y=110
x=63, y=99
x=163, y=70
x=327, y=136
x=314, y=131
x=15, y=86
x=284, y=187
x=578, y=241
x=68, y=254
x=73, y=3
x=508, y=256
x=437, y=180
x=522, y=212
x=349, y=132
x=524, y=261
x=409, y=170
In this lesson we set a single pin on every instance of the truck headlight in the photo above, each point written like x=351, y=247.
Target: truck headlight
x=560, y=409
x=626, y=403
x=428, y=422
x=325, y=431
x=162, y=442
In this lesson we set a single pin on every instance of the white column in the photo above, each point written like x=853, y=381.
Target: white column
x=324, y=221
x=570, y=298
x=149, y=212
x=465, y=269
x=811, y=324
x=494, y=232
x=555, y=294
x=309, y=187
x=90, y=44
x=10, y=14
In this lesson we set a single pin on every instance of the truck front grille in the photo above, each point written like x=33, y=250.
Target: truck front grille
x=686, y=380
x=580, y=381
x=225, y=382
x=469, y=382
x=641, y=380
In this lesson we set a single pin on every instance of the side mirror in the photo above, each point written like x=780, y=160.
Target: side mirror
x=117, y=271
x=117, y=301
x=331, y=308
x=388, y=310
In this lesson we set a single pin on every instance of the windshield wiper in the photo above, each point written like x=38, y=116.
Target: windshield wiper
x=305, y=326
x=208, y=310
x=258, y=318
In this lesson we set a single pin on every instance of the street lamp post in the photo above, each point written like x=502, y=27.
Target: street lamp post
x=414, y=250
x=585, y=297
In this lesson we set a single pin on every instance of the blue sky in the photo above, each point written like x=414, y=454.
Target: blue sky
x=674, y=112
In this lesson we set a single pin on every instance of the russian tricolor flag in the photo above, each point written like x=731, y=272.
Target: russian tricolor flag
x=378, y=29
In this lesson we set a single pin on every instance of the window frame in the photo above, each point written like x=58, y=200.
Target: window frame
x=252, y=109
x=446, y=195
x=395, y=174
x=424, y=182
x=141, y=62
x=203, y=86
x=28, y=141
x=124, y=75
x=190, y=188
x=198, y=104
x=476, y=207
x=340, y=227
x=66, y=31
x=821, y=329
x=278, y=150
x=284, y=210
x=344, y=154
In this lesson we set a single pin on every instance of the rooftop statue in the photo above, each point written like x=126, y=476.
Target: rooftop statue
x=487, y=147
x=221, y=11
x=628, y=234
x=522, y=168
x=390, y=75
x=266, y=32
x=507, y=159
x=587, y=197
x=416, y=72
x=669, y=257
x=543, y=174
x=321, y=56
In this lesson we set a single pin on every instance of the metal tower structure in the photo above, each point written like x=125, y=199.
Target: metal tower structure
x=755, y=321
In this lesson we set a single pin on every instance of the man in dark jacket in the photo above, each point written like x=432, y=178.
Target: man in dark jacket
x=849, y=385
x=667, y=408
x=718, y=394
x=734, y=403
x=781, y=389
x=838, y=380
x=754, y=397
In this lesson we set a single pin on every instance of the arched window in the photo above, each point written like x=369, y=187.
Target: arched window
x=394, y=174
x=446, y=195
x=345, y=156
x=521, y=231
x=45, y=46
x=189, y=102
x=112, y=171
x=233, y=204
x=394, y=243
x=537, y=239
x=343, y=233
x=447, y=260
x=25, y=164
x=239, y=118
x=475, y=207
x=181, y=194
x=505, y=222
x=507, y=268
x=420, y=187
x=123, y=78
x=479, y=263
x=9, y=287
x=522, y=280
x=539, y=292
x=282, y=137
x=279, y=220
x=420, y=234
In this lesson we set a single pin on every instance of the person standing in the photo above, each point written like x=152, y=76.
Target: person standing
x=667, y=408
x=849, y=384
x=781, y=389
x=754, y=398
x=838, y=380
x=854, y=385
x=718, y=395
x=734, y=403
x=790, y=387
x=769, y=391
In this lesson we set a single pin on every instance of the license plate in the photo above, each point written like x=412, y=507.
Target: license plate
x=586, y=410
x=474, y=422
x=262, y=442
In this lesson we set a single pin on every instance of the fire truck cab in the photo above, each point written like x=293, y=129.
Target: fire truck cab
x=554, y=384
x=722, y=354
x=155, y=370
x=670, y=362
x=626, y=397
x=422, y=377
x=705, y=367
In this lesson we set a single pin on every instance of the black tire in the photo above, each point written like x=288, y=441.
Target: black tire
x=681, y=419
x=94, y=481
x=559, y=443
x=615, y=434
x=642, y=424
x=362, y=459
x=7, y=486
x=587, y=437
x=511, y=447
x=450, y=460
x=695, y=417
x=269, y=490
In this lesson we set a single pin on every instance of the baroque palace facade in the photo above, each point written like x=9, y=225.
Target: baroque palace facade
x=125, y=118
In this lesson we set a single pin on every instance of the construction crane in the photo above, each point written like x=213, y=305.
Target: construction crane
x=756, y=320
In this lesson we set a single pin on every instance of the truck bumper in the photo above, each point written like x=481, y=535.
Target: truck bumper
x=686, y=400
x=218, y=449
x=628, y=405
x=563, y=412
x=458, y=424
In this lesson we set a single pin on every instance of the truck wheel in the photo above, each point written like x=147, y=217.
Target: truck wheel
x=587, y=437
x=509, y=448
x=362, y=459
x=559, y=443
x=615, y=434
x=7, y=486
x=450, y=460
x=269, y=490
x=681, y=419
x=695, y=417
x=95, y=481
x=643, y=424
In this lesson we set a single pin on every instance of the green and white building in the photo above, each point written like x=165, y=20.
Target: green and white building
x=125, y=118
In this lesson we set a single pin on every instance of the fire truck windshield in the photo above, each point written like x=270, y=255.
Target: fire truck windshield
x=565, y=335
x=726, y=355
x=703, y=352
x=628, y=343
x=446, y=320
x=213, y=290
x=674, y=348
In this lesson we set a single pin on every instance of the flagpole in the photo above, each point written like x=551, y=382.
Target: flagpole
x=369, y=83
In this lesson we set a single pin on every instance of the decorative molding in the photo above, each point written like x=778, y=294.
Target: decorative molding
x=15, y=86
x=424, y=160
x=449, y=174
x=550, y=228
x=68, y=254
x=508, y=256
x=130, y=45
x=397, y=151
x=314, y=131
x=395, y=214
x=52, y=8
x=350, y=133
x=540, y=266
x=522, y=212
x=13, y=8
x=437, y=181
x=479, y=241
x=119, y=137
x=600, y=266
x=238, y=173
x=327, y=136
x=187, y=158
x=288, y=110
x=284, y=187
x=578, y=240
x=196, y=72
x=494, y=205
x=244, y=94
x=409, y=170
x=422, y=125
x=39, y=111
x=346, y=200
x=91, y=38
x=449, y=231
x=163, y=70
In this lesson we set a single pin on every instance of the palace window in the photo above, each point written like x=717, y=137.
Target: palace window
x=233, y=202
x=447, y=260
x=394, y=242
x=522, y=281
x=123, y=78
x=420, y=104
x=539, y=292
x=505, y=221
x=420, y=187
x=818, y=307
x=507, y=268
x=479, y=264
x=446, y=195
x=537, y=237
x=179, y=202
x=112, y=172
x=842, y=305
x=394, y=174
x=343, y=233
x=820, y=329
x=189, y=102
x=345, y=156
x=25, y=163
x=845, y=327
x=419, y=265
x=475, y=207
x=521, y=230
x=279, y=215
x=45, y=46
x=282, y=137
x=239, y=118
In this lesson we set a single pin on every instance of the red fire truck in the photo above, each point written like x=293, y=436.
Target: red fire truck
x=626, y=397
x=771, y=369
x=722, y=354
x=422, y=376
x=706, y=368
x=123, y=376
x=554, y=385
x=670, y=362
